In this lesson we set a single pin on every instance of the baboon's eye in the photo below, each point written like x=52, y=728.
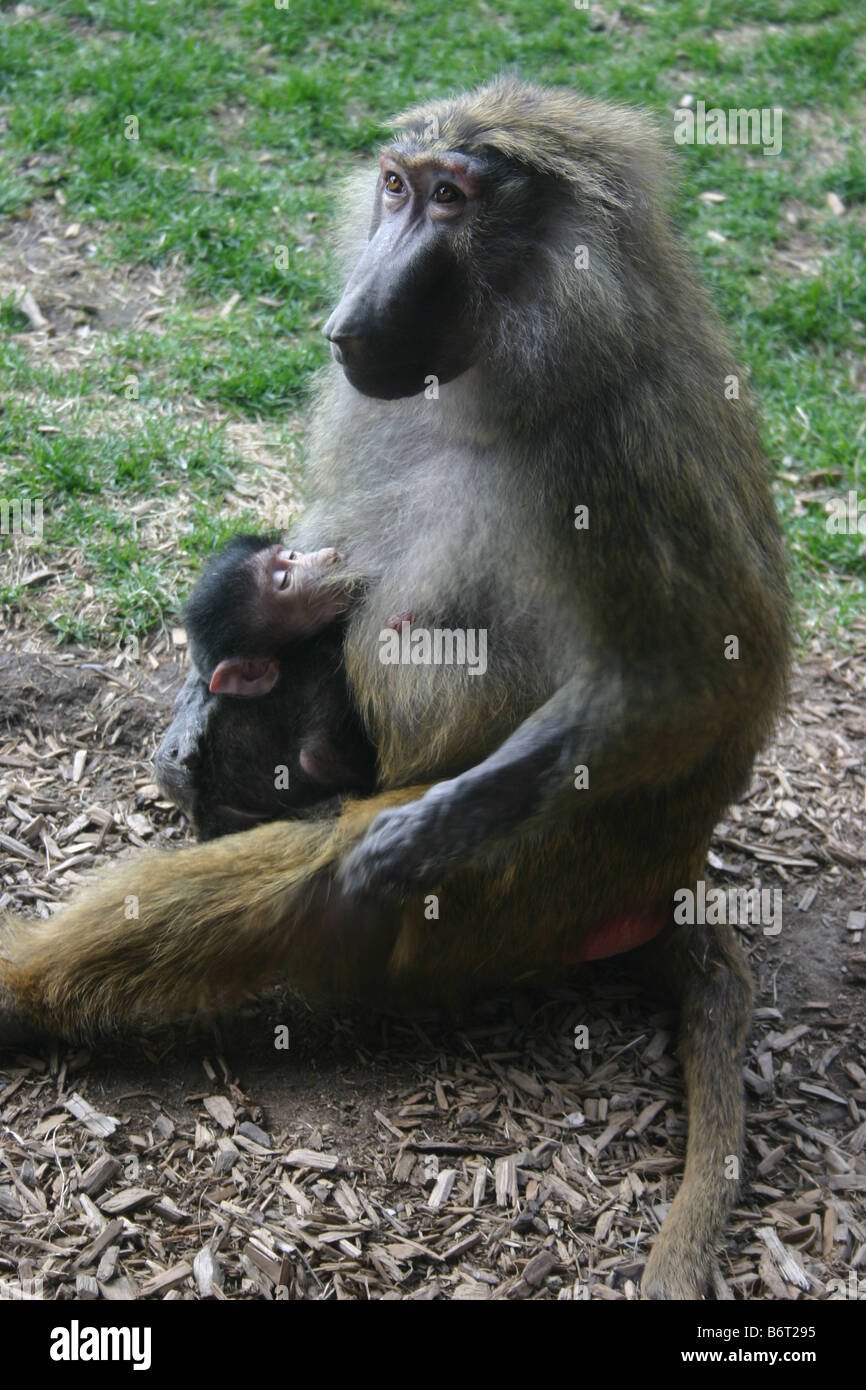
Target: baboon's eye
x=393, y=183
x=445, y=193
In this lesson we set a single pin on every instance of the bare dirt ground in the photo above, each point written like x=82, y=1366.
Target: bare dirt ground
x=473, y=1158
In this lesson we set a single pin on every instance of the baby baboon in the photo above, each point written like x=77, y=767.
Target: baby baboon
x=253, y=600
x=263, y=627
x=488, y=382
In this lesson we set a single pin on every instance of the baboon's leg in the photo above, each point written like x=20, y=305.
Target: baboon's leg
x=710, y=977
x=167, y=933
x=16, y=1029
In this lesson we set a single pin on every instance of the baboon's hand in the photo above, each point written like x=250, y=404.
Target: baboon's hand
x=409, y=846
x=417, y=845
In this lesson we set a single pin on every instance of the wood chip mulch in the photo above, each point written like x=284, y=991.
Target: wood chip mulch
x=483, y=1158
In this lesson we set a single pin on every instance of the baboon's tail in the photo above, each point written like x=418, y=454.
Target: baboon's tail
x=168, y=933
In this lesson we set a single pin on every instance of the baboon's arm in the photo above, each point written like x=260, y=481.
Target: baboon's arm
x=622, y=735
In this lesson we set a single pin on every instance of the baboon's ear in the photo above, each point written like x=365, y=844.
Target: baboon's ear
x=244, y=676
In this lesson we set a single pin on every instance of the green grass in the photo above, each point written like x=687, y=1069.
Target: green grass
x=246, y=114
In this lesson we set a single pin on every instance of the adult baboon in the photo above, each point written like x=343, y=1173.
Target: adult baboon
x=520, y=337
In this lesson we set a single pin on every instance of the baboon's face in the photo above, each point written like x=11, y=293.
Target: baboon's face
x=218, y=758
x=405, y=314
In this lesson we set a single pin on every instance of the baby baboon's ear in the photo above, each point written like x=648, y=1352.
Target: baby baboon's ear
x=244, y=676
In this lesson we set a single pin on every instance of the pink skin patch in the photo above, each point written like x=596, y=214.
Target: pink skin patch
x=620, y=934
